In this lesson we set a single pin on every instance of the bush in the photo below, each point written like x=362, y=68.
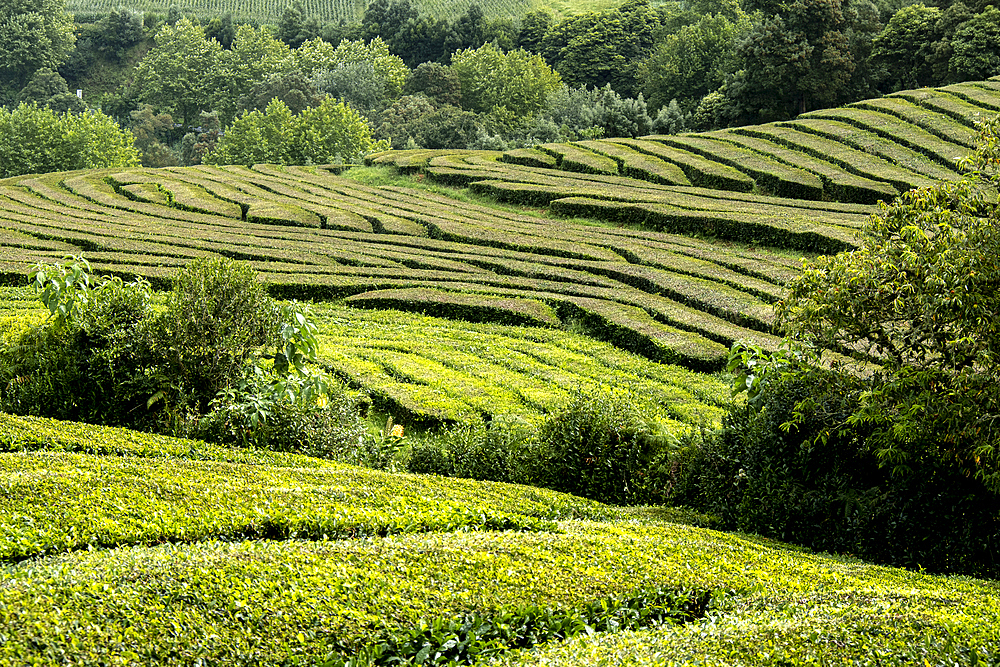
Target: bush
x=106, y=357
x=496, y=452
x=784, y=466
x=600, y=447
x=89, y=363
x=217, y=315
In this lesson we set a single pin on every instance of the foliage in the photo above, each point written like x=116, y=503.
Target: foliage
x=917, y=298
x=46, y=88
x=599, y=447
x=330, y=132
x=905, y=46
x=180, y=75
x=976, y=47
x=575, y=113
x=33, y=34
x=39, y=140
x=803, y=55
x=692, y=62
x=517, y=82
x=88, y=363
x=217, y=315
x=889, y=454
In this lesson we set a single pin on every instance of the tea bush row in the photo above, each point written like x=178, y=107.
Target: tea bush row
x=873, y=144
x=770, y=176
x=274, y=602
x=853, y=161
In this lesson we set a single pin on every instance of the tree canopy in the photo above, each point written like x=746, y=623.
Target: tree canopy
x=918, y=303
x=33, y=34
x=36, y=140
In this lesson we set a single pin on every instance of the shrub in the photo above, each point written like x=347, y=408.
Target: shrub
x=217, y=315
x=501, y=451
x=599, y=447
x=89, y=361
x=789, y=464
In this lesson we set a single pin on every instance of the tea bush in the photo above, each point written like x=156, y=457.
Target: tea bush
x=198, y=367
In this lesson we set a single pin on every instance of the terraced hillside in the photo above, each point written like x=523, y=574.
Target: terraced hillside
x=129, y=549
x=670, y=247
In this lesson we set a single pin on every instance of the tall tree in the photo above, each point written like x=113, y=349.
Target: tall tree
x=180, y=75
x=519, y=82
x=976, y=47
x=903, y=50
x=802, y=55
x=692, y=62
x=33, y=34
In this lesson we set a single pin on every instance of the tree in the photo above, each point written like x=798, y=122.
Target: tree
x=436, y=81
x=596, y=49
x=802, y=56
x=181, y=74
x=365, y=74
x=33, y=34
x=976, y=47
x=534, y=25
x=518, y=81
x=36, y=140
x=255, y=55
x=327, y=133
x=692, y=62
x=918, y=303
x=904, y=47
x=295, y=28
x=47, y=88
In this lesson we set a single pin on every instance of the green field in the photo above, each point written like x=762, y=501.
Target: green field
x=127, y=549
x=333, y=11
x=462, y=287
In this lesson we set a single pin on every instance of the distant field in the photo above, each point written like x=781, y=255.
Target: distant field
x=670, y=248
x=269, y=11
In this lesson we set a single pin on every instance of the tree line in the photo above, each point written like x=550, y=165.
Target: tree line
x=480, y=82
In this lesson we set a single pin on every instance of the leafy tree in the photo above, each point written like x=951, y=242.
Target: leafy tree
x=292, y=88
x=400, y=122
x=436, y=81
x=918, y=302
x=518, y=82
x=692, y=62
x=327, y=133
x=904, y=47
x=596, y=49
x=365, y=75
x=976, y=47
x=33, y=34
x=119, y=30
x=447, y=127
x=803, y=55
x=599, y=112
x=47, y=88
x=331, y=132
x=295, y=27
x=222, y=30
x=255, y=55
x=181, y=74
x=152, y=133
x=36, y=140
x=534, y=25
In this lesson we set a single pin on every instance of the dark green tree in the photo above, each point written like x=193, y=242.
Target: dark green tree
x=904, y=49
x=48, y=89
x=33, y=34
x=803, y=55
x=976, y=47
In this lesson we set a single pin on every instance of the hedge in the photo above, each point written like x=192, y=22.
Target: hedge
x=700, y=171
x=637, y=165
x=838, y=184
x=572, y=157
x=774, y=177
x=896, y=130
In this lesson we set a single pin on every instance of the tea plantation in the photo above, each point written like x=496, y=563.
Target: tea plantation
x=459, y=288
